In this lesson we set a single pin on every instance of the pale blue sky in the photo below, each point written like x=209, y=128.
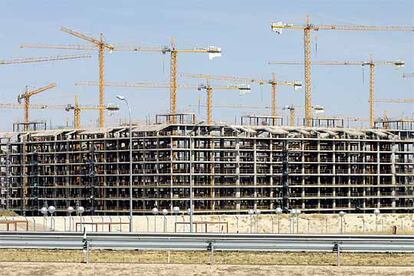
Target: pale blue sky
x=240, y=28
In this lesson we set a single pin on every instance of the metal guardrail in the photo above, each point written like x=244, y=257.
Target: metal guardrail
x=203, y=242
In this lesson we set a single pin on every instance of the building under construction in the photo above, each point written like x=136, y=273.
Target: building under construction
x=257, y=164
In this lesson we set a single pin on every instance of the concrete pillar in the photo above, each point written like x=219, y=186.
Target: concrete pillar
x=171, y=175
x=238, y=175
x=318, y=170
x=272, y=189
x=255, y=173
x=212, y=178
x=394, y=148
x=378, y=172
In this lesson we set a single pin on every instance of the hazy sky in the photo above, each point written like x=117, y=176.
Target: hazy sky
x=240, y=28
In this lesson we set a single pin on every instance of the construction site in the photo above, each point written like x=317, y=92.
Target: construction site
x=230, y=168
x=317, y=164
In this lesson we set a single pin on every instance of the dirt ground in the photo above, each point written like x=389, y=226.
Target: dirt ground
x=202, y=258
x=61, y=269
x=32, y=262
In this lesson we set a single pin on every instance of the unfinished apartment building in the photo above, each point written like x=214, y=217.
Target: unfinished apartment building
x=231, y=168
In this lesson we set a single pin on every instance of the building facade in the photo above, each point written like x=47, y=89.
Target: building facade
x=231, y=169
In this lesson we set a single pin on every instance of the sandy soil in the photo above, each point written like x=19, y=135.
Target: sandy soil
x=60, y=269
x=219, y=258
x=107, y=262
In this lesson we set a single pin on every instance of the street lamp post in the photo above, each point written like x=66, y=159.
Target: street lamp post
x=79, y=211
x=155, y=213
x=292, y=220
x=51, y=210
x=122, y=98
x=257, y=220
x=70, y=211
x=251, y=213
x=176, y=211
x=164, y=213
x=341, y=215
x=278, y=212
x=189, y=211
x=298, y=212
x=376, y=213
x=43, y=210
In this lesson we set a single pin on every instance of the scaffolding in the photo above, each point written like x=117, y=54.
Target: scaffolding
x=234, y=168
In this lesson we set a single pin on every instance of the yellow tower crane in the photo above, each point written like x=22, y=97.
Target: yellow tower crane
x=292, y=114
x=26, y=97
x=96, y=44
x=292, y=111
x=372, y=65
x=273, y=82
x=102, y=46
x=212, y=52
x=76, y=109
x=395, y=101
x=207, y=87
x=38, y=60
x=209, y=90
x=307, y=28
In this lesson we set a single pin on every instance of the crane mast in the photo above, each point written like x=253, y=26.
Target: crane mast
x=77, y=108
x=173, y=77
x=307, y=28
x=308, y=72
x=208, y=88
x=102, y=46
x=26, y=98
x=274, y=96
x=245, y=80
x=372, y=66
x=95, y=44
x=211, y=51
x=292, y=114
